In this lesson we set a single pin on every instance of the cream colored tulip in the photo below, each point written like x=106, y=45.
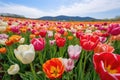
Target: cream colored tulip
x=22, y=40
x=3, y=23
x=25, y=53
x=2, y=28
x=2, y=41
x=88, y=31
x=14, y=69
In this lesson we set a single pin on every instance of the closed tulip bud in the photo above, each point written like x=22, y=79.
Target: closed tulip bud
x=14, y=69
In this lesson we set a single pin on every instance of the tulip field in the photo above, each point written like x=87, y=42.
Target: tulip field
x=59, y=50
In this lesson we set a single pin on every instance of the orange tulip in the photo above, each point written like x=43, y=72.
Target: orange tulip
x=23, y=30
x=8, y=29
x=65, y=33
x=15, y=38
x=36, y=33
x=70, y=37
x=8, y=42
x=3, y=50
x=53, y=68
x=32, y=36
x=113, y=38
x=103, y=48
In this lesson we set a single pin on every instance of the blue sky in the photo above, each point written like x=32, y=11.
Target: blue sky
x=38, y=8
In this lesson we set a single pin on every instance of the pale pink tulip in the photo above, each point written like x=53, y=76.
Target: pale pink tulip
x=74, y=51
x=68, y=64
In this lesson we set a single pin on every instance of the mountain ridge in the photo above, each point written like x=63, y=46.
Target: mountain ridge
x=67, y=18
x=55, y=18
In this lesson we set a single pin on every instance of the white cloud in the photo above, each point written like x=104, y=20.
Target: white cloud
x=89, y=7
x=78, y=8
x=22, y=10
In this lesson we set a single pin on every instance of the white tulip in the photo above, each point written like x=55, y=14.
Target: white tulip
x=25, y=53
x=22, y=40
x=13, y=69
x=2, y=41
x=2, y=28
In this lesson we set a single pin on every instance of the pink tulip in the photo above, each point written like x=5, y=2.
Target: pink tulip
x=52, y=42
x=68, y=64
x=38, y=44
x=50, y=34
x=114, y=29
x=61, y=31
x=74, y=51
x=102, y=39
x=15, y=29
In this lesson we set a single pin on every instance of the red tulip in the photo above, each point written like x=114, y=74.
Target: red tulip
x=38, y=44
x=60, y=42
x=107, y=65
x=78, y=34
x=89, y=42
x=42, y=33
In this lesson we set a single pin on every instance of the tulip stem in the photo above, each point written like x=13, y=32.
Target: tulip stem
x=61, y=52
x=40, y=58
x=84, y=65
x=80, y=68
x=33, y=71
x=3, y=71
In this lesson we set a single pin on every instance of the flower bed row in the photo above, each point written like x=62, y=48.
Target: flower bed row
x=54, y=50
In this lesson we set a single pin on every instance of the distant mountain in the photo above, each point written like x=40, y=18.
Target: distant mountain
x=67, y=18
x=11, y=15
x=56, y=18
